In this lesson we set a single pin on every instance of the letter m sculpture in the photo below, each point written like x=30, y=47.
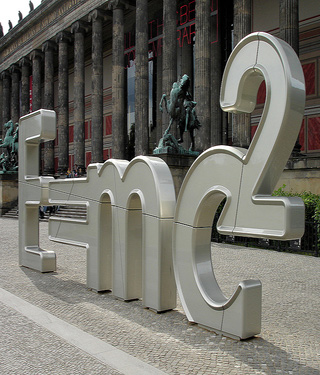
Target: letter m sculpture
x=128, y=229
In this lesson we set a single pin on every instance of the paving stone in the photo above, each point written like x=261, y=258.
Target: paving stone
x=288, y=344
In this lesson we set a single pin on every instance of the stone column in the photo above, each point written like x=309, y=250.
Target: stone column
x=25, y=85
x=202, y=73
x=241, y=126
x=79, y=29
x=289, y=23
x=49, y=49
x=36, y=57
x=96, y=17
x=159, y=96
x=169, y=57
x=142, y=80
x=289, y=32
x=1, y=105
x=187, y=62
x=217, y=136
x=6, y=103
x=187, y=68
x=186, y=56
x=15, y=100
x=63, y=40
x=119, y=129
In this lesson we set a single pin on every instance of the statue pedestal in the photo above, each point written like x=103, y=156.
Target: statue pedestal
x=8, y=191
x=178, y=165
x=177, y=158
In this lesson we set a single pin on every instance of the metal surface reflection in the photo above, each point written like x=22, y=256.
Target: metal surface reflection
x=246, y=178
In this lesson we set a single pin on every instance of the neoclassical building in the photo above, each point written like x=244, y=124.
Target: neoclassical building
x=104, y=65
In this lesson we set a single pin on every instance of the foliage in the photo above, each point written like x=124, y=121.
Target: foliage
x=309, y=245
x=311, y=201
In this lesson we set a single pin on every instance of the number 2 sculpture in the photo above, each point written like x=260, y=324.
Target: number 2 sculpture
x=246, y=178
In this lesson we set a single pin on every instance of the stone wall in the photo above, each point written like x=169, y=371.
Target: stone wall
x=299, y=180
x=8, y=192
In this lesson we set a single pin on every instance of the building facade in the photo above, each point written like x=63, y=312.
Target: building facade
x=103, y=66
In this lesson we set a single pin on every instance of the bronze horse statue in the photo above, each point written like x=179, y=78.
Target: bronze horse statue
x=10, y=143
x=181, y=109
x=7, y=142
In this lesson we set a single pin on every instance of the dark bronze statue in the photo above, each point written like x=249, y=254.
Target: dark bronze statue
x=181, y=109
x=9, y=157
x=31, y=6
x=20, y=16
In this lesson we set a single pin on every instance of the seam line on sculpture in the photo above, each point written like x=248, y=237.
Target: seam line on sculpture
x=96, y=201
x=238, y=200
x=256, y=62
x=223, y=310
x=63, y=192
x=60, y=221
x=191, y=226
x=144, y=213
x=118, y=225
x=75, y=195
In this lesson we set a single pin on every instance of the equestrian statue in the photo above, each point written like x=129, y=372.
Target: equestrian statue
x=9, y=157
x=181, y=109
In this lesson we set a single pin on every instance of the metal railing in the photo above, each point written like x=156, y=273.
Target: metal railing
x=308, y=244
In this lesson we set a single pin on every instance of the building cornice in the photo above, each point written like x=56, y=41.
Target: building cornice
x=42, y=24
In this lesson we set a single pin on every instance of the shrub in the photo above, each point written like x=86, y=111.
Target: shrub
x=311, y=201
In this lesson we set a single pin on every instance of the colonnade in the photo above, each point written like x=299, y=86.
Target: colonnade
x=288, y=31
x=39, y=63
x=208, y=67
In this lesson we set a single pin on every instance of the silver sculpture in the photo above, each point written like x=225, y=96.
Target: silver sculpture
x=133, y=204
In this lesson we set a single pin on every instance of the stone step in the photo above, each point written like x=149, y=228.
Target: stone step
x=72, y=212
x=13, y=213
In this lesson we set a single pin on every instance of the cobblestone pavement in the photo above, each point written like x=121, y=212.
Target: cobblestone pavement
x=289, y=342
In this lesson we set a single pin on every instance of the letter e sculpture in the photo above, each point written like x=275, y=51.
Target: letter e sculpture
x=33, y=190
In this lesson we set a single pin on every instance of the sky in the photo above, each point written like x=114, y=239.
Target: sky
x=9, y=11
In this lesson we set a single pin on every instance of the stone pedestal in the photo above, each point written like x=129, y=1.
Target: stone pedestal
x=179, y=166
x=8, y=191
